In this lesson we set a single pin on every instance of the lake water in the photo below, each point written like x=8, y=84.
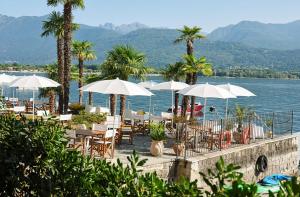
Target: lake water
x=271, y=95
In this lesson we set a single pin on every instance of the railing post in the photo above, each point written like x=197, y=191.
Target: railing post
x=220, y=134
x=292, y=124
x=273, y=124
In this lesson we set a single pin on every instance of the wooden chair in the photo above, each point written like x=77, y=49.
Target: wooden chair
x=103, y=142
x=127, y=130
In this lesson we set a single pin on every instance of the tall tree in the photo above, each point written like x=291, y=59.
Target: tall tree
x=82, y=50
x=90, y=79
x=55, y=26
x=188, y=35
x=174, y=72
x=195, y=66
x=51, y=71
x=122, y=62
x=69, y=5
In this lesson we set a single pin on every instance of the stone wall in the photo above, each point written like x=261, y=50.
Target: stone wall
x=282, y=154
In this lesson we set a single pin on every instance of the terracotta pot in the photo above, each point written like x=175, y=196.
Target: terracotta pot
x=157, y=148
x=237, y=136
x=178, y=148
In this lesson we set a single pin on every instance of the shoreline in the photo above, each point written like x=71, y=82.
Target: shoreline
x=151, y=75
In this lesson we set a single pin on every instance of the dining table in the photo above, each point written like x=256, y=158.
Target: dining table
x=85, y=135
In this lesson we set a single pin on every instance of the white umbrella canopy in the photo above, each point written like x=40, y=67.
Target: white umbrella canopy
x=148, y=84
x=118, y=87
x=235, y=90
x=33, y=82
x=170, y=85
x=5, y=80
x=206, y=91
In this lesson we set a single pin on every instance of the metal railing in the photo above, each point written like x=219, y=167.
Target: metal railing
x=200, y=137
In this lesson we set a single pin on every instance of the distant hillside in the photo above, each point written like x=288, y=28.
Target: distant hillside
x=260, y=35
x=21, y=42
x=124, y=28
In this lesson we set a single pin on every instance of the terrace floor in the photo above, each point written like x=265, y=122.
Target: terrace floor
x=141, y=144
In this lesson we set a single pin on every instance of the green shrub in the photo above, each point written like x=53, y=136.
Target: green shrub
x=34, y=161
x=76, y=107
x=157, y=132
x=88, y=118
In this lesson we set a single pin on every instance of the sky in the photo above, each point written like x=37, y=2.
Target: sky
x=208, y=14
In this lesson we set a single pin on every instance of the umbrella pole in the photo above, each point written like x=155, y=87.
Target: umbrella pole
x=226, y=109
x=149, y=108
x=204, y=110
x=33, y=104
x=172, y=110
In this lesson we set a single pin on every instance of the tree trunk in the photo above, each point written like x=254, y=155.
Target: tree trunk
x=193, y=99
x=80, y=80
x=189, y=47
x=52, y=102
x=67, y=52
x=176, y=102
x=60, y=74
x=122, y=106
x=185, y=100
x=90, y=98
x=112, y=104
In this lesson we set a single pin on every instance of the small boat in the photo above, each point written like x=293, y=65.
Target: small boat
x=197, y=109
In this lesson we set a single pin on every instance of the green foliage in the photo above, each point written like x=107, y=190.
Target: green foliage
x=124, y=61
x=157, y=132
x=241, y=113
x=76, y=107
x=194, y=65
x=88, y=118
x=82, y=50
x=225, y=181
x=34, y=161
x=288, y=189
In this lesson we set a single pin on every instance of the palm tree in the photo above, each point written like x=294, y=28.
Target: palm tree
x=122, y=62
x=188, y=35
x=82, y=51
x=55, y=26
x=174, y=72
x=90, y=79
x=194, y=66
x=69, y=5
x=51, y=71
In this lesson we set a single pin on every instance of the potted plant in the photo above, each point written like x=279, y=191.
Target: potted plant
x=178, y=147
x=241, y=134
x=157, y=134
x=269, y=123
x=76, y=108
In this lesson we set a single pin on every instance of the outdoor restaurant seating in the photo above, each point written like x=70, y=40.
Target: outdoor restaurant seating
x=102, y=141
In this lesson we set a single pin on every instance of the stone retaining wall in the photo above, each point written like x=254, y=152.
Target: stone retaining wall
x=282, y=154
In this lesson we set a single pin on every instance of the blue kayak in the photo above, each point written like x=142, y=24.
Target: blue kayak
x=274, y=179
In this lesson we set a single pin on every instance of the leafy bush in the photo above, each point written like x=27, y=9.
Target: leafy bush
x=226, y=181
x=88, y=118
x=76, y=107
x=157, y=132
x=34, y=161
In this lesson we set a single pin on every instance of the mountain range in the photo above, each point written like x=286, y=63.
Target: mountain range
x=247, y=44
